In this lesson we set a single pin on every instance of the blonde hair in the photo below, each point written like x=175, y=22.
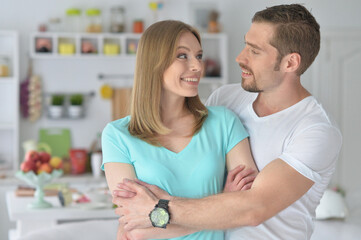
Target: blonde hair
x=156, y=52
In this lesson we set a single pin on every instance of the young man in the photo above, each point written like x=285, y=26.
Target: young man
x=294, y=143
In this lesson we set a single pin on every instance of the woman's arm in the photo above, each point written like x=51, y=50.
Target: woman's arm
x=115, y=173
x=241, y=167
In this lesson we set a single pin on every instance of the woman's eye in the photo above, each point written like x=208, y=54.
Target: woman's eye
x=182, y=56
x=200, y=56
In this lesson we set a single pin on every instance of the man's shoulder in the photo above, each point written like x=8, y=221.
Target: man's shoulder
x=315, y=113
x=233, y=88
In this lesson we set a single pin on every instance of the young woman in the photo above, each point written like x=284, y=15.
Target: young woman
x=170, y=138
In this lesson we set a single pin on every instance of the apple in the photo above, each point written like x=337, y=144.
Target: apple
x=56, y=162
x=44, y=156
x=37, y=163
x=44, y=167
x=31, y=156
x=27, y=166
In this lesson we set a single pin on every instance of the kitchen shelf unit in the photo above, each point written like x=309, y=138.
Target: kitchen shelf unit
x=9, y=98
x=214, y=46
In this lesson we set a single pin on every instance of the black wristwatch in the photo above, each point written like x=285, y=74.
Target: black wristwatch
x=160, y=216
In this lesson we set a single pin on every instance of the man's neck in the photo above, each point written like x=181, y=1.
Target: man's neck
x=268, y=103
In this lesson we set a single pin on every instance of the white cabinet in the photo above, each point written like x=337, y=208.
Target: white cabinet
x=9, y=101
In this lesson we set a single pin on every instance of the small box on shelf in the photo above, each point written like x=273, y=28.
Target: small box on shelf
x=111, y=46
x=43, y=45
x=132, y=45
x=66, y=46
x=89, y=45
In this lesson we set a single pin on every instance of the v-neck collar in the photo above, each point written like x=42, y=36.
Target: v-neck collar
x=255, y=116
x=185, y=149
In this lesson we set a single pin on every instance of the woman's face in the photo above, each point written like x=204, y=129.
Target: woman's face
x=182, y=77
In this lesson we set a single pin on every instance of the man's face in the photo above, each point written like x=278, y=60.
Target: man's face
x=258, y=60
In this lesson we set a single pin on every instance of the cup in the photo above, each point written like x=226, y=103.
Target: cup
x=96, y=163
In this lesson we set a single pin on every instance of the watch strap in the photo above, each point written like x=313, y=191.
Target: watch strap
x=163, y=203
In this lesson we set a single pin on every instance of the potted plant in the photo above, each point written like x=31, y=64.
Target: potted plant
x=56, y=108
x=75, y=109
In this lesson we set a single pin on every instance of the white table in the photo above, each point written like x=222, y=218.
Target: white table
x=28, y=220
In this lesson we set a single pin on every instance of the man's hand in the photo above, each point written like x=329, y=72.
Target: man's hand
x=239, y=179
x=134, y=204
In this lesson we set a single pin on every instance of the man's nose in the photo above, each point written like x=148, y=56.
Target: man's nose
x=241, y=58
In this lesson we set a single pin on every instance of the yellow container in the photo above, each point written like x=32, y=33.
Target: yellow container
x=111, y=49
x=66, y=48
x=4, y=70
x=4, y=67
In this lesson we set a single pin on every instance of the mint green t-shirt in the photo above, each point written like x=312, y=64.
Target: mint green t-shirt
x=195, y=172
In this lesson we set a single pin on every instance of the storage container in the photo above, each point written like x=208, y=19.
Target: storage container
x=117, y=20
x=93, y=20
x=73, y=21
x=4, y=66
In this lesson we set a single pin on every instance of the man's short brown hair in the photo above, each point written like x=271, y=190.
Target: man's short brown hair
x=296, y=31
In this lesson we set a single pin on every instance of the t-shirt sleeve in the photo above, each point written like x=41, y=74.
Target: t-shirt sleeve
x=213, y=99
x=235, y=130
x=113, y=146
x=314, y=151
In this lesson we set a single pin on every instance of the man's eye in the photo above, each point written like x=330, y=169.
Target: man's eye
x=182, y=56
x=254, y=51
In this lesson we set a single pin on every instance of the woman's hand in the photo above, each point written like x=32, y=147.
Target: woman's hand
x=239, y=179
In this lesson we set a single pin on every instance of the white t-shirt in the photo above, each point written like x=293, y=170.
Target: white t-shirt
x=305, y=138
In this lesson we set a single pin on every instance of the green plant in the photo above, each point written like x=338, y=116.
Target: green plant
x=76, y=99
x=57, y=100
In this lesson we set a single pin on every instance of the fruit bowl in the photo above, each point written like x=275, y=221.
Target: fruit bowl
x=38, y=181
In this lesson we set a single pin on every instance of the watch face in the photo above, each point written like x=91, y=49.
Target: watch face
x=159, y=217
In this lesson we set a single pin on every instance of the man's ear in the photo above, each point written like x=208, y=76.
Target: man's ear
x=292, y=62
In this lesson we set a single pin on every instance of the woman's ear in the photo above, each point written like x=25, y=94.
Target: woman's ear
x=292, y=63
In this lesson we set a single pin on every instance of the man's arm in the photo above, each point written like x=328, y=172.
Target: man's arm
x=276, y=187
x=115, y=173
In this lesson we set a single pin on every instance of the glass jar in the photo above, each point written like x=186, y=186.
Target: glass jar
x=54, y=25
x=93, y=20
x=73, y=20
x=117, y=21
x=4, y=66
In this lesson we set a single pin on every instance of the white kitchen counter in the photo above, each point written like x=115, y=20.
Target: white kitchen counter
x=29, y=220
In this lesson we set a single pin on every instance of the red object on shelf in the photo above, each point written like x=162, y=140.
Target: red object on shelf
x=138, y=26
x=78, y=159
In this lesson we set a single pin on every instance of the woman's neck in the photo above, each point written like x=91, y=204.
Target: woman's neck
x=172, y=110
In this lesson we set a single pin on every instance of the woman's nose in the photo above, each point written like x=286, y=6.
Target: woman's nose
x=195, y=65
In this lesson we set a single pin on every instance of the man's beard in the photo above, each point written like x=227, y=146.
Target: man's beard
x=252, y=87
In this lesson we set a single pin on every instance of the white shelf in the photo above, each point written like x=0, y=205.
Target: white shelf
x=214, y=45
x=9, y=93
x=6, y=80
x=7, y=126
x=124, y=40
